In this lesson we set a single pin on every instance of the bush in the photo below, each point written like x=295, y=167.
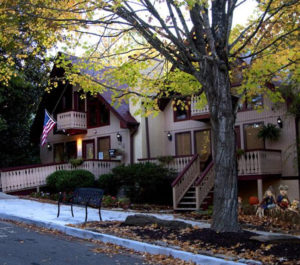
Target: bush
x=108, y=183
x=143, y=183
x=67, y=181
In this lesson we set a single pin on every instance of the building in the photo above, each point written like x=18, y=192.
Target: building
x=93, y=128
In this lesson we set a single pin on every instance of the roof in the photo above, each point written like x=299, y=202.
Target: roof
x=120, y=110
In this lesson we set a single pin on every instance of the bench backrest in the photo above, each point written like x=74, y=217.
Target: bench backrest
x=91, y=196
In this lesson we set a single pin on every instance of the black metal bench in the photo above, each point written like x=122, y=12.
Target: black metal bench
x=83, y=197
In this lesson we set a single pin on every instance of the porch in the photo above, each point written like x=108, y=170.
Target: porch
x=34, y=176
x=72, y=122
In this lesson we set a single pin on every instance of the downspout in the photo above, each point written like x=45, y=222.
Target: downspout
x=133, y=131
x=147, y=138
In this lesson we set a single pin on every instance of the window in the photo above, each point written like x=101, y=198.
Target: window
x=203, y=144
x=88, y=149
x=104, y=146
x=251, y=139
x=58, y=151
x=79, y=102
x=182, y=113
x=256, y=102
x=183, y=143
x=71, y=150
x=98, y=113
x=237, y=137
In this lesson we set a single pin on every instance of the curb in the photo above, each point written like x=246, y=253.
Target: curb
x=128, y=243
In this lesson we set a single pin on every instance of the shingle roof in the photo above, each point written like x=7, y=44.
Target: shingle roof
x=122, y=110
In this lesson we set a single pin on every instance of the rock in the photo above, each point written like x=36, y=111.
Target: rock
x=143, y=220
x=276, y=239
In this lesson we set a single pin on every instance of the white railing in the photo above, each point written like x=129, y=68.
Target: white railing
x=177, y=163
x=35, y=176
x=71, y=120
x=260, y=162
x=205, y=184
x=185, y=180
x=195, y=111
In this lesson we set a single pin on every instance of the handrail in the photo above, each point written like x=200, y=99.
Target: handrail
x=204, y=173
x=155, y=158
x=53, y=164
x=184, y=170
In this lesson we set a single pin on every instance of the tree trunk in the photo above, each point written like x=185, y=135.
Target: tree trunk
x=225, y=209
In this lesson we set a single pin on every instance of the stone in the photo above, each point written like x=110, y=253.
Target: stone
x=144, y=220
x=276, y=239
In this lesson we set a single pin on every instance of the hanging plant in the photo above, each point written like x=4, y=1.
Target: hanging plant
x=165, y=160
x=270, y=132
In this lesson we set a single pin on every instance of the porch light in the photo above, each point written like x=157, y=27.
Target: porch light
x=169, y=135
x=49, y=146
x=119, y=137
x=279, y=122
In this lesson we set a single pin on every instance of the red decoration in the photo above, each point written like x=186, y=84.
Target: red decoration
x=253, y=200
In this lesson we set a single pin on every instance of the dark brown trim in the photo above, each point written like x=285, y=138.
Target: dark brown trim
x=176, y=134
x=98, y=100
x=103, y=137
x=297, y=123
x=255, y=177
x=184, y=170
x=290, y=177
x=204, y=117
x=133, y=131
x=147, y=137
x=268, y=150
x=84, y=143
x=238, y=138
x=245, y=138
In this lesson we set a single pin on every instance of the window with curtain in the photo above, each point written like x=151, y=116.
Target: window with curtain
x=104, y=146
x=203, y=144
x=183, y=143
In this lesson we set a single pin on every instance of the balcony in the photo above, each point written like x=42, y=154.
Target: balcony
x=259, y=163
x=201, y=114
x=72, y=122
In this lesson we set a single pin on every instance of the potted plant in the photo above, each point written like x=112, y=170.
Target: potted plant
x=270, y=132
x=240, y=153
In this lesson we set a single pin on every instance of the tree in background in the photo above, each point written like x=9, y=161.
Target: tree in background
x=192, y=49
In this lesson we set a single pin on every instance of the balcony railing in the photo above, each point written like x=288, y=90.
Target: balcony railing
x=260, y=162
x=196, y=111
x=178, y=163
x=33, y=176
x=71, y=120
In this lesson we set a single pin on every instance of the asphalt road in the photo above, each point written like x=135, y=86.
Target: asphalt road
x=24, y=246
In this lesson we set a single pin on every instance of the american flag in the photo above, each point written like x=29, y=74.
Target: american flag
x=49, y=123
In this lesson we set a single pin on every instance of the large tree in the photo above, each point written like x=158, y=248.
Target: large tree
x=192, y=49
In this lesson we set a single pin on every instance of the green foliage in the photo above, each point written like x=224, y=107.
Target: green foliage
x=144, y=183
x=67, y=181
x=109, y=201
x=165, y=160
x=269, y=131
x=108, y=183
x=75, y=162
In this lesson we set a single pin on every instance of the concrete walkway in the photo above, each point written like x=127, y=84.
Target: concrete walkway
x=6, y=196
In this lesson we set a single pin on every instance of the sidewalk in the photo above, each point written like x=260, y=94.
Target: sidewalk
x=44, y=215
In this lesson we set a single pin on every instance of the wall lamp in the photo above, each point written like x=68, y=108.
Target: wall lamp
x=119, y=137
x=279, y=122
x=49, y=146
x=169, y=135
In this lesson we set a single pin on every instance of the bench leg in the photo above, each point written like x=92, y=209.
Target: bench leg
x=100, y=214
x=86, y=213
x=58, y=209
x=72, y=210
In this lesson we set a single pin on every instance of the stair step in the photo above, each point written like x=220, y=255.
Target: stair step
x=189, y=197
x=187, y=203
x=185, y=209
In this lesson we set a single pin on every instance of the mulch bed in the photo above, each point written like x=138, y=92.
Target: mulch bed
x=205, y=241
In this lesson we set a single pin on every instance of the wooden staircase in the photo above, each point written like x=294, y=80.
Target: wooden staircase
x=193, y=190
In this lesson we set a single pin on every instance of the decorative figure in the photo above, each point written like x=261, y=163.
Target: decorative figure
x=268, y=203
x=282, y=199
x=294, y=207
x=240, y=208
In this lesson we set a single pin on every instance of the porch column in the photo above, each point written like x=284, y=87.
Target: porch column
x=260, y=189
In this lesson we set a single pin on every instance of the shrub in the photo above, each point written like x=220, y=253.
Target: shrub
x=108, y=183
x=145, y=183
x=53, y=178
x=64, y=180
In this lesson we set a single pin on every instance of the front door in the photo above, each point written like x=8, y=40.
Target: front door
x=183, y=143
x=203, y=147
x=88, y=149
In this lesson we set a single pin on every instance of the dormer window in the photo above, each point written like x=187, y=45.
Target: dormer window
x=182, y=112
x=98, y=113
